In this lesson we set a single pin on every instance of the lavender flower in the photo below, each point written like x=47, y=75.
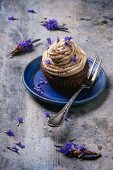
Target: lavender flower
x=58, y=40
x=43, y=81
x=9, y=133
x=47, y=114
x=39, y=90
x=48, y=61
x=78, y=151
x=12, y=18
x=14, y=149
x=31, y=11
x=73, y=59
x=66, y=40
x=51, y=24
x=20, y=120
x=23, y=46
x=49, y=41
x=68, y=147
x=20, y=145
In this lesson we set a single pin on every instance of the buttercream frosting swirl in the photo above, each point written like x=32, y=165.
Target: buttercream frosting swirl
x=57, y=60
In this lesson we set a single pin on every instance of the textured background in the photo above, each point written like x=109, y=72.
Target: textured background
x=91, y=25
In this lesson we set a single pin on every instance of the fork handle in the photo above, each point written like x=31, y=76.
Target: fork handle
x=58, y=119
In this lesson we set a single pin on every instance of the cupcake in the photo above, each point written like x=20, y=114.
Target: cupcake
x=65, y=65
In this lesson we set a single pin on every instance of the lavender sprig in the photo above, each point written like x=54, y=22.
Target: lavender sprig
x=31, y=11
x=52, y=24
x=22, y=146
x=14, y=149
x=12, y=18
x=10, y=133
x=23, y=47
x=78, y=150
x=41, y=82
x=68, y=147
x=20, y=120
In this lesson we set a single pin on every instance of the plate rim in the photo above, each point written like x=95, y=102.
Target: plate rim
x=47, y=100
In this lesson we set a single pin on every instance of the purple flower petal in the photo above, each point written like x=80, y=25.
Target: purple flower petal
x=66, y=40
x=48, y=61
x=51, y=24
x=39, y=89
x=47, y=114
x=20, y=120
x=68, y=147
x=25, y=45
x=49, y=41
x=31, y=11
x=14, y=149
x=12, y=18
x=20, y=145
x=73, y=59
x=9, y=133
x=43, y=81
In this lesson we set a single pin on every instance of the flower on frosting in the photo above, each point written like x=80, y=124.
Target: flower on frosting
x=66, y=40
x=73, y=59
x=31, y=11
x=12, y=18
x=52, y=24
x=48, y=61
x=49, y=41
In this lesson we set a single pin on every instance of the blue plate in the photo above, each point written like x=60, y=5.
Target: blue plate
x=33, y=73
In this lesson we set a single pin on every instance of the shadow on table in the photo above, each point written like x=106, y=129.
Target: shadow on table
x=61, y=134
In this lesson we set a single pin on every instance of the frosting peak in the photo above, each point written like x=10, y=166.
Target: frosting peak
x=65, y=59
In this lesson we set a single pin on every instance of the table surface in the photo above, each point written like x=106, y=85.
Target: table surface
x=91, y=25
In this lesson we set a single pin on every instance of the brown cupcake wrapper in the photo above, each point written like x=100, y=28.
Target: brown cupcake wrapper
x=66, y=84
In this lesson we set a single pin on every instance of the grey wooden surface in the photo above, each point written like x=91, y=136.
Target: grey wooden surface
x=91, y=25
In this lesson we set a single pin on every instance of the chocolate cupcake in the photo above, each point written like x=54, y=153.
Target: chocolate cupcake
x=65, y=65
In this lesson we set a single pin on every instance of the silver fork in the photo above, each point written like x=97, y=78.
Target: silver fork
x=58, y=119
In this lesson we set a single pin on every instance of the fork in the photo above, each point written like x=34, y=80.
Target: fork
x=58, y=119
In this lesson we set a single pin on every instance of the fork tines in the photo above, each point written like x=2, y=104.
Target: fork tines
x=92, y=75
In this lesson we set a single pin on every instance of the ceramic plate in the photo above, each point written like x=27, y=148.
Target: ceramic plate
x=33, y=73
